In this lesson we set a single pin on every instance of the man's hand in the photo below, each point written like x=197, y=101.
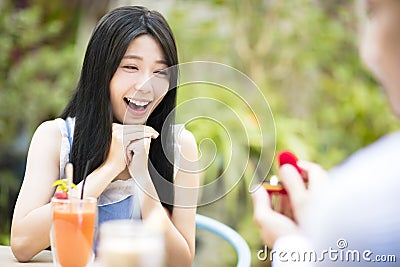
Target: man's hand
x=274, y=224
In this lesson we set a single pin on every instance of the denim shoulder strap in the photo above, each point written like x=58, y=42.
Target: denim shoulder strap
x=69, y=138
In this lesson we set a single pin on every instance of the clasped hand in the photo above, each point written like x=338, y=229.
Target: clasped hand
x=130, y=146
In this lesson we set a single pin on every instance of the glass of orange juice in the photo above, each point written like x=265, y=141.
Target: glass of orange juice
x=72, y=231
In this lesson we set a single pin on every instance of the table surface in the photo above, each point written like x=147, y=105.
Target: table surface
x=43, y=259
x=7, y=259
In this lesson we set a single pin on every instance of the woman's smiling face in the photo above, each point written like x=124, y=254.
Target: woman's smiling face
x=140, y=82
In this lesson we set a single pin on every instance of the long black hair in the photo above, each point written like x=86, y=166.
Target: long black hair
x=91, y=105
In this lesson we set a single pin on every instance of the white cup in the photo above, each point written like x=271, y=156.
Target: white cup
x=126, y=243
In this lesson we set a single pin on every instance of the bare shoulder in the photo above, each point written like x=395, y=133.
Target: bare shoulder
x=48, y=128
x=188, y=144
x=186, y=137
x=188, y=174
x=47, y=137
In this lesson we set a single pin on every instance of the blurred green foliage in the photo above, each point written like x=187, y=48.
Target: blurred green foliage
x=301, y=54
x=38, y=72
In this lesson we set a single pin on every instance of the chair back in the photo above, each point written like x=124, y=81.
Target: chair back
x=231, y=236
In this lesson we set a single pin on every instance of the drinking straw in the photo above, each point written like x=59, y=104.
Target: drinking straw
x=84, y=176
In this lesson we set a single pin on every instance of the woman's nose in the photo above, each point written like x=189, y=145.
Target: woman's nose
x=143, y=82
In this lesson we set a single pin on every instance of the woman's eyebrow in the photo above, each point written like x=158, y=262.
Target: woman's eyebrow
x=133, y=57
x=160, y=61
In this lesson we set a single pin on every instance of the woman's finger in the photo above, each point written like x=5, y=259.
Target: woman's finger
x=129, y=129
x=136, y=146
x=136, y=136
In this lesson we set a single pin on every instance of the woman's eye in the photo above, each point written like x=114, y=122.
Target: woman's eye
x=161, y=73
x=130, y=67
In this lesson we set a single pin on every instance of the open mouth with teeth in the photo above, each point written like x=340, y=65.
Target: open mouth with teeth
x=136, y=105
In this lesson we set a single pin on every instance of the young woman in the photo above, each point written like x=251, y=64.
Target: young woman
x=358, y=212
x=119, y=124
